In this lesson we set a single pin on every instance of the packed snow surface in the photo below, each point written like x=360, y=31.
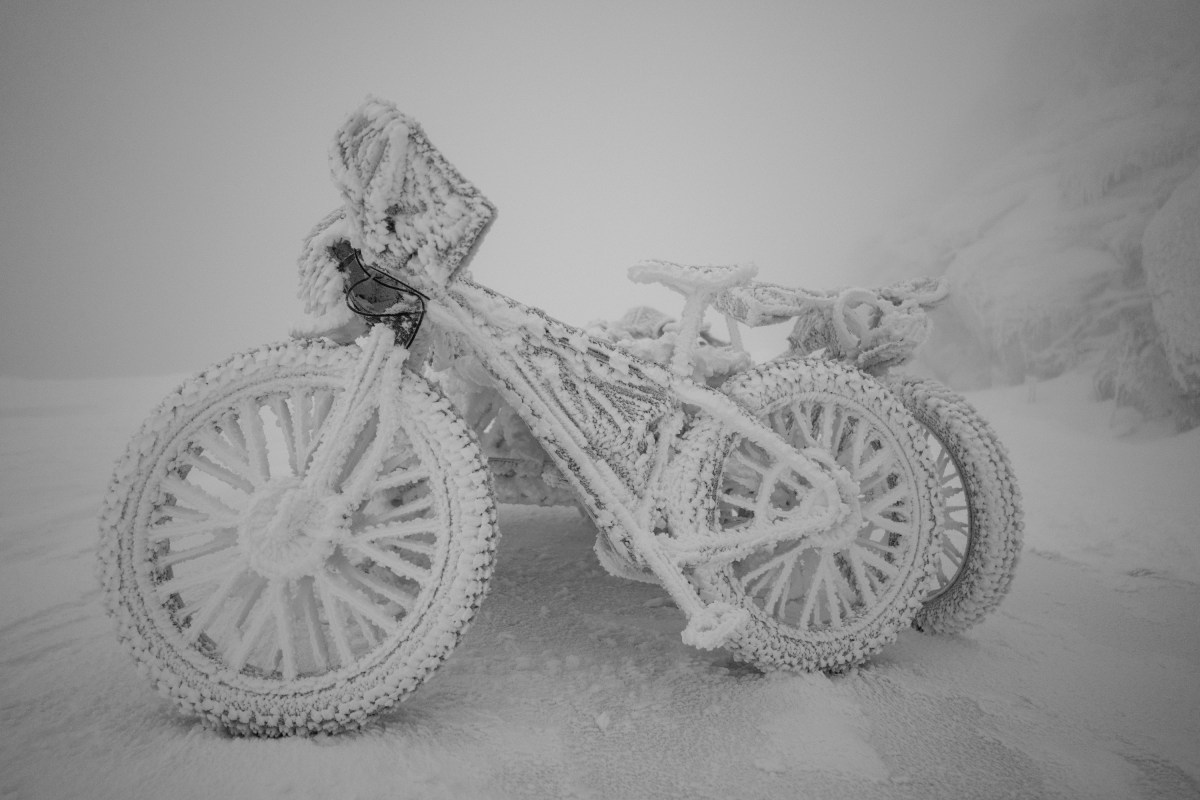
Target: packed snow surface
x=572, y=683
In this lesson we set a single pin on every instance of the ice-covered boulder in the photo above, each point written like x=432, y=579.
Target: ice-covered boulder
x=1171, y=259
x=1070, y=240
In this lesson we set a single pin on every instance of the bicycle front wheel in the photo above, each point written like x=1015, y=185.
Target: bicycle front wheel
x=237, y=590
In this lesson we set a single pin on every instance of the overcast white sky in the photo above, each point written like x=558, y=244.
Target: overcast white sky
x=161, y=162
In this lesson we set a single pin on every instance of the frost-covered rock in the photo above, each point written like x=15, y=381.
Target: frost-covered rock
x=1171, y=258
x=1094, y=126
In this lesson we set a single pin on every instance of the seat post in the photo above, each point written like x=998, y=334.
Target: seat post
x=697, y=284
x=690, y=320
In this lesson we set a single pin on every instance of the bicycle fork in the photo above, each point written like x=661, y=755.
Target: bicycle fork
x=369, y=396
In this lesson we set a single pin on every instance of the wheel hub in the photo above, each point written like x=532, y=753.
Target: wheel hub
x=286, y=532
x=845, y=533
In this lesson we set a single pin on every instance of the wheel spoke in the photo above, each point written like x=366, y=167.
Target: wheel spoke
x=176, y=530
x=179, y=515
x=207, y=612
x=752, y=457
x=283, y=418
x=803, y=426
x=238, y=462
x=781, y=587
x=364, y=625
x=231, y=428
x=198, y=498
x=184, y=584
x=256, y=584
x=878, y=547
x=261, y=612
x=222, y=540
x=882, y=566
x=402, y=530
x=738, y=502
x=307, y=601
x=752, y=579
x=832, y=603
x=861, y=577
x=872, y=465
x=809, y=609
x=408, y=512
x=393, y=594
x=889, y=525
x=283, y=630
x=337, y=626
x=343, y=588
x=391, y=560
x=399, y=479
x=322, y=404
x=827, y=421
x=886, y=500
x=303, y=426
x=256, y=439
x=847, y=593
x=951, y=487
x=961, y=527
x=955, y=553
x=223, y=474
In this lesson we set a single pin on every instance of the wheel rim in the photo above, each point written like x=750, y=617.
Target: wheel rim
x=249, y=575
x=830, y=582
x=955, y=540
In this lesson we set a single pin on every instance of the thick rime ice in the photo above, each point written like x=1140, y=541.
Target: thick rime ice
x=408, y=208
x=357, y=605
x=300, y=535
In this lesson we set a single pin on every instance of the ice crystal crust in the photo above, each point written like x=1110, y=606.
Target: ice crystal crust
x=366, y=651
x=322, y=286
x=408, y=207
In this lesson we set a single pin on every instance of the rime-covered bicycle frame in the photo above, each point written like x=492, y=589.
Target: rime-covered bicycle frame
x=300, y=535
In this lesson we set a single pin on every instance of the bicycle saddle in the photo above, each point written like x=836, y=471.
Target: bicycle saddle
x=687, y=279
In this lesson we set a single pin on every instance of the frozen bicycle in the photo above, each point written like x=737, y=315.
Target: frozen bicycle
x=874, y=330
x=299, y=535
x=877, y=330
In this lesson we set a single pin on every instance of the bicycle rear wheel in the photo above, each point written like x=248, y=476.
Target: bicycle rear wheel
x=825, y=602
x=980, y=539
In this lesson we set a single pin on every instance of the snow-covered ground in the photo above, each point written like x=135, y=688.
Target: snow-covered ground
x=572, y=683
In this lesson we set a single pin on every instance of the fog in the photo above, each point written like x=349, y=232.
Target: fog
x=161, y=163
